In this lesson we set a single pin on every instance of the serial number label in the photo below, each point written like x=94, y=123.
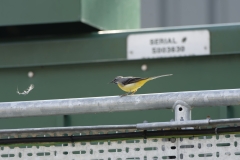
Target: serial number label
x=168, y=44
x=168, y=49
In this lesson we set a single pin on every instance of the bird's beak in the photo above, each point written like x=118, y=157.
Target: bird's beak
x=111, y=82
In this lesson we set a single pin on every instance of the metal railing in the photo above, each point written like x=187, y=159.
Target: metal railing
x=209, y=98
x=181, y=102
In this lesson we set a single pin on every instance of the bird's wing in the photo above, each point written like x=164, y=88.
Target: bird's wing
x=129, y=80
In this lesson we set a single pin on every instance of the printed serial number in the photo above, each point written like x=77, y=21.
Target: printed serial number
x=168, y=49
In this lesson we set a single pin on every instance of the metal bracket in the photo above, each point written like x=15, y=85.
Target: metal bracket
x=182, y=111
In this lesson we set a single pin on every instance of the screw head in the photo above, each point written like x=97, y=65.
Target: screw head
x=30, y=74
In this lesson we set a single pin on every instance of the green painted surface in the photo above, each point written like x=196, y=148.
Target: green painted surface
x=25, y=12
x=98, y=47
x=62, y=51
x=104, y=14
x=111, y=14
x=32, y=122
x=225, y=41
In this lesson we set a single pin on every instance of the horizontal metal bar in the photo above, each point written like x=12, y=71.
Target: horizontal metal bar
x=191, y=123
x=140, y=126
x=117, y=104
x=158, y=125
x=224, y=121
x=132, y=135
x=67, y=129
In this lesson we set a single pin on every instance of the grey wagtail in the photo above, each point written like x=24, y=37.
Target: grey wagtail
x=132, y=84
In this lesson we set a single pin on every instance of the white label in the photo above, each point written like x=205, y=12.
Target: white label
x=168, y=44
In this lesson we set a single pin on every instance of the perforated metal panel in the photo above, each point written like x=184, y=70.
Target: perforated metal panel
x=220, y=147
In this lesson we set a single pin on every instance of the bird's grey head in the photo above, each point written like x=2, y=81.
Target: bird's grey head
x=116, y=80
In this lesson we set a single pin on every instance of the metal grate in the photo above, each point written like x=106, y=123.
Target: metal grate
x=219, y=147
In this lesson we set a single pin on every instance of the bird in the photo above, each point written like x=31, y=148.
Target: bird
x=132, y=84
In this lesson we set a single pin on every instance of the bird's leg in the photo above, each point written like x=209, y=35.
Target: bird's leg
x=124, y=95
x=133, y=92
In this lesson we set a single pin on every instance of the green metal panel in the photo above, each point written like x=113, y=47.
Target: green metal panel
x=24, y=12
x=101, y=46
x=111, y=14
x=225, y=41
x=82, y=66
x=33, y=122
x=104, y=14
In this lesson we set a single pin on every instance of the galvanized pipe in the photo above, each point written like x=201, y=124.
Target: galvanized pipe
x=139, y=126
x=67, y=129
x=190, y=123
x=115, y=103
x=176, y=124
x=124, y=136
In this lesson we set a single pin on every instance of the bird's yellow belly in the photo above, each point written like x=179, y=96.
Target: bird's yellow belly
x=132, y=87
